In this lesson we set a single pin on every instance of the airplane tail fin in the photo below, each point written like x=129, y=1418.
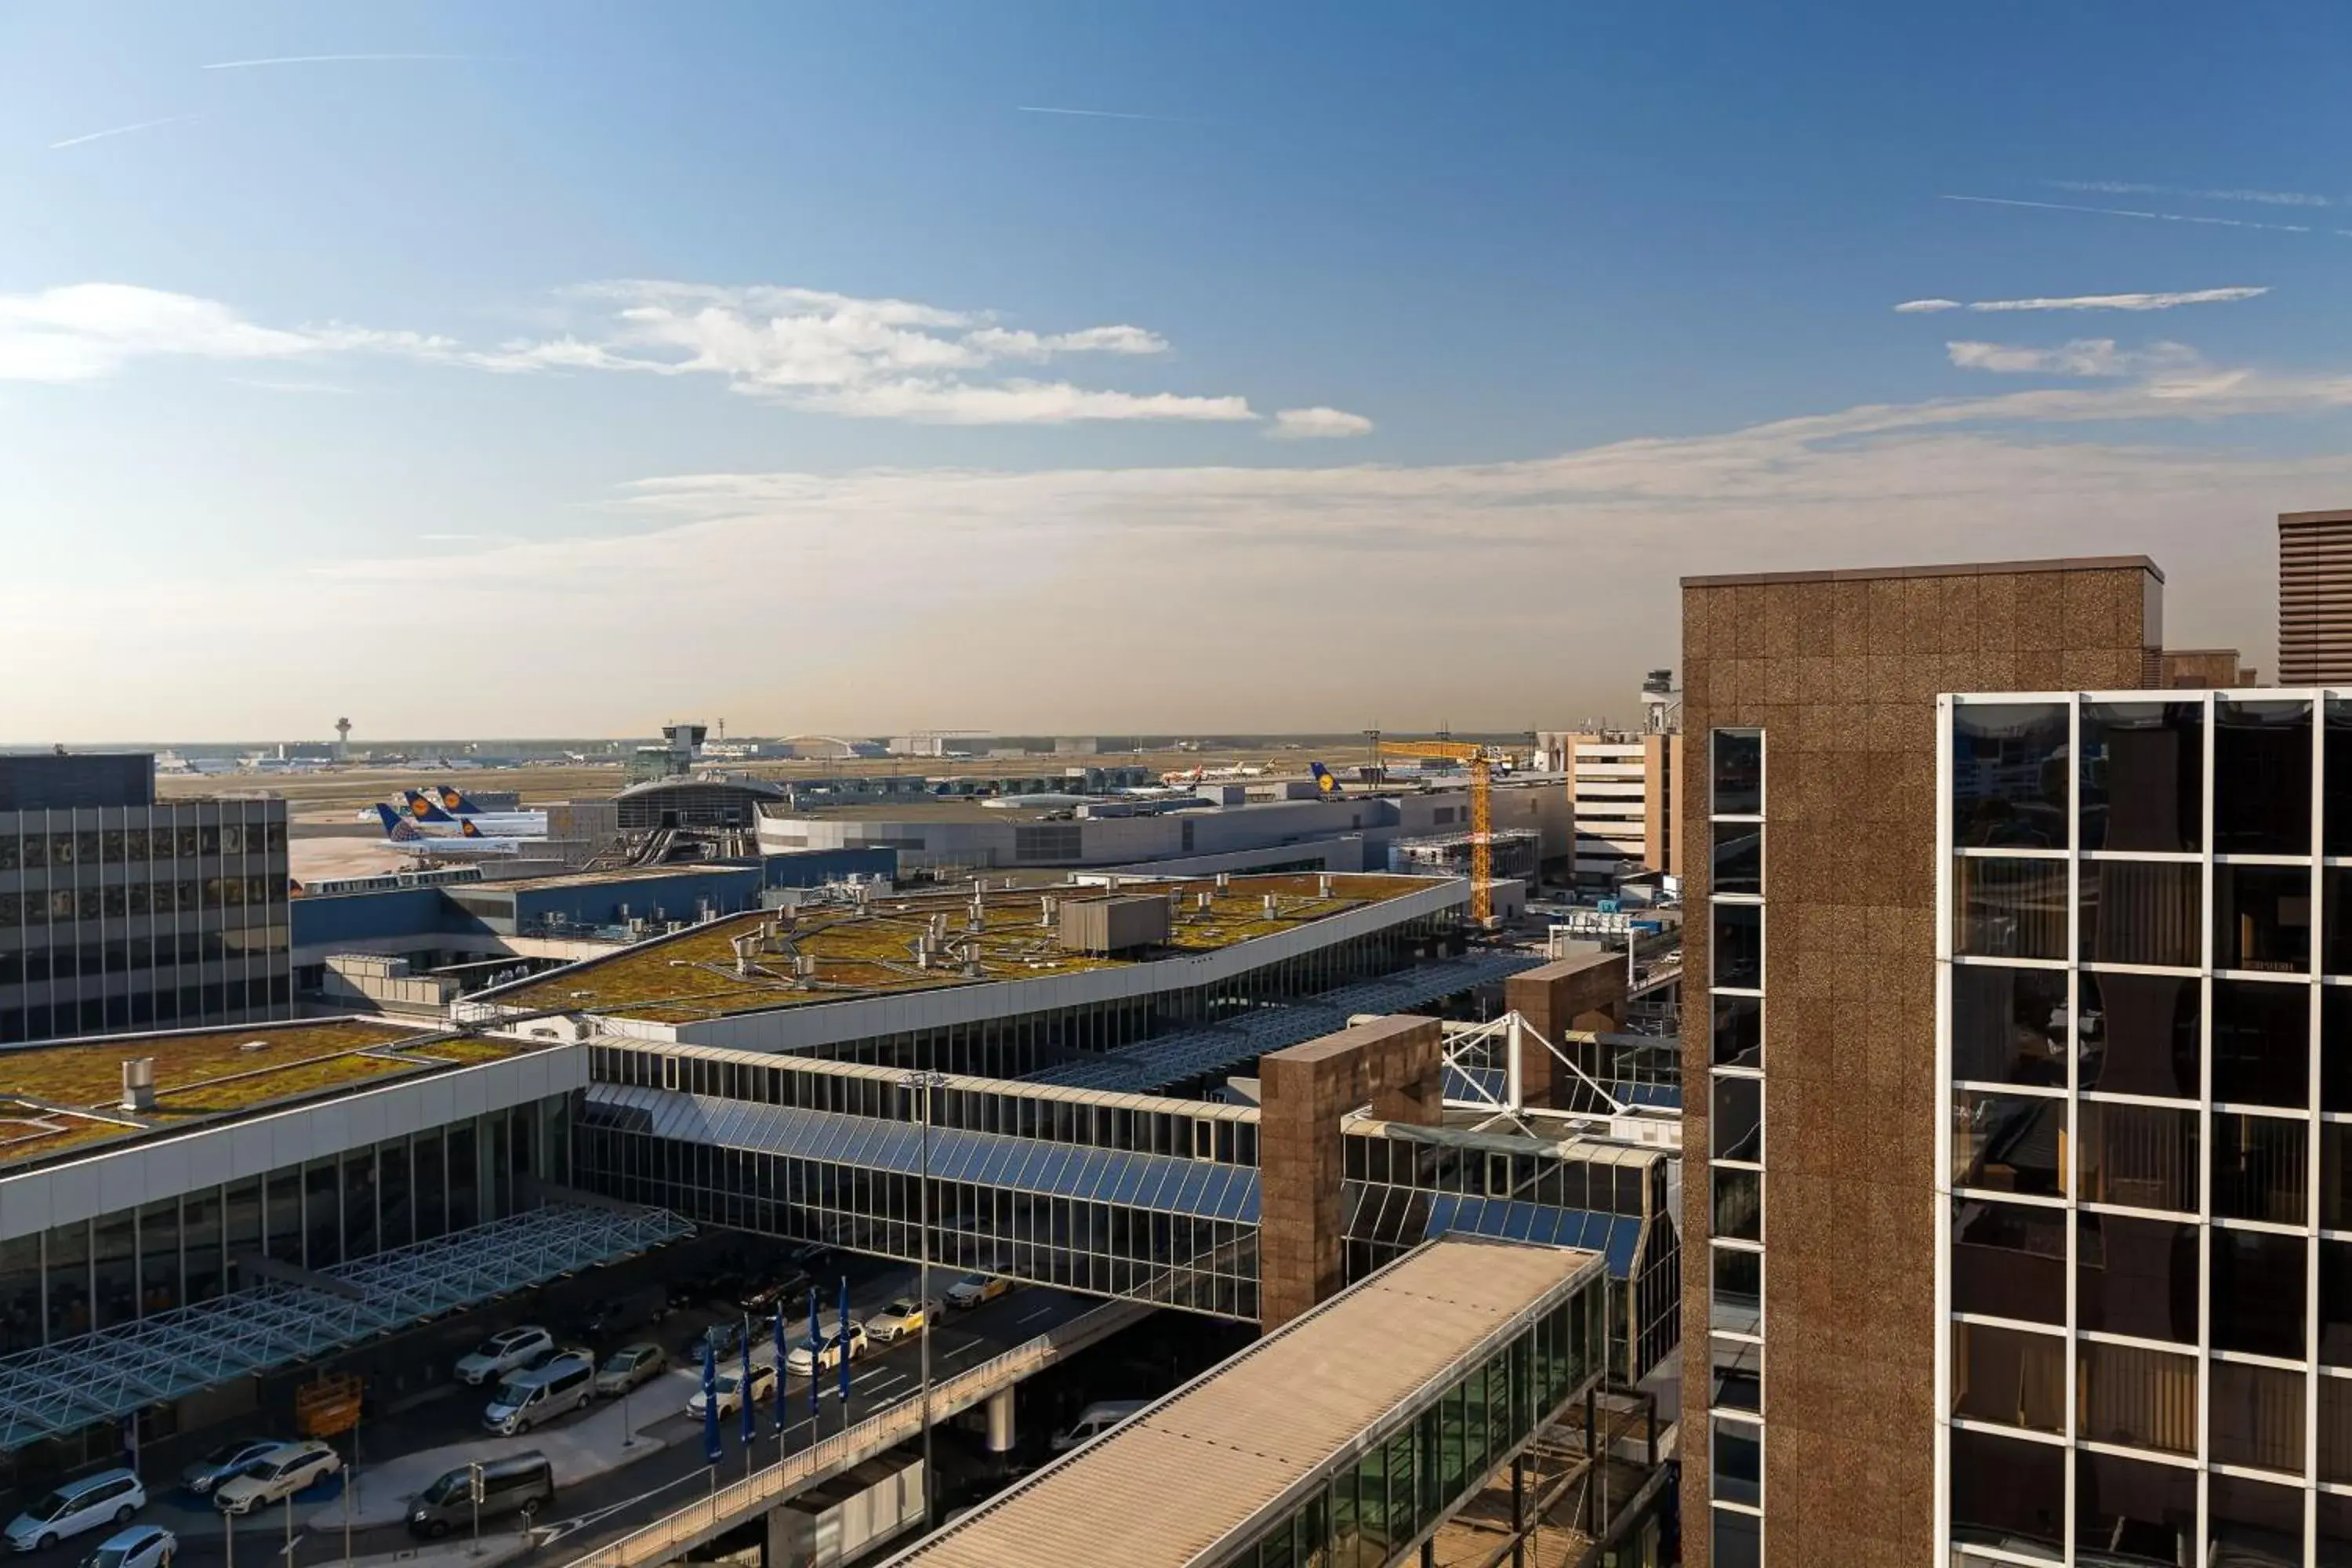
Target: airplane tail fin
x=432, y=810
x=392, y=820
x=454, y=801
x=1324, y=783
x=467, y=829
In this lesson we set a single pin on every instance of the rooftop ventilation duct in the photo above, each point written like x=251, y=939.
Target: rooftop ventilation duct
x=139, y=1084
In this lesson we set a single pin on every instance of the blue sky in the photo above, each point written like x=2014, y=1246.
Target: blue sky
x=348, y=358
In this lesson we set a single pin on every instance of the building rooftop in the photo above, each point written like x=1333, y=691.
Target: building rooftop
x=1193, y=1473
x=66, y=1098
x=1952, y=569
x=620, y=874
x=872, y=953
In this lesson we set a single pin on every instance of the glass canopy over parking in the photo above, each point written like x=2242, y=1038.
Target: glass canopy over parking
x=63, y=1387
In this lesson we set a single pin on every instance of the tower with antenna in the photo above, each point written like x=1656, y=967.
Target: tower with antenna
x=343, y=738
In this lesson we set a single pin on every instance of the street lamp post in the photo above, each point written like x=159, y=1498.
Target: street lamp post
x=923, y=1083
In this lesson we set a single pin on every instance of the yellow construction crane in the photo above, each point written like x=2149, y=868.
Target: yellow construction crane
x=1482, y=810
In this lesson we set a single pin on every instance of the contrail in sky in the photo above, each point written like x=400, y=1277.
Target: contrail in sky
x=2133, y=212
x=330, y=59
x=122, y=131
x=1096, y=113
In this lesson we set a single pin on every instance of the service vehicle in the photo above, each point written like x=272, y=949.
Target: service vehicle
x=973, y=1289
x=902, y=1318
x=822, y=1354
x=730, y=1391
x=1094, y=1421
x=224, y=1461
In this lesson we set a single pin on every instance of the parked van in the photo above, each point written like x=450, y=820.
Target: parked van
x=109, y=1497
x=1094, y=1421
x=519, y=1483
x=527, y=1398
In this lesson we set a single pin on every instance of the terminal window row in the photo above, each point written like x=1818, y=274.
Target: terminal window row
x=66, y=960
x=185, y=1006
x=1399, y=1159
x=137, y=845
x=2140, y=781
x=63, y=906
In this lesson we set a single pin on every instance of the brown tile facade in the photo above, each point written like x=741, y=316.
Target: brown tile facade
x=1393, y=1065
x=1586, y=993
x=1842, y=670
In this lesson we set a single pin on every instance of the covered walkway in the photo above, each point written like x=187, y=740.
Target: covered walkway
x=63, y=1387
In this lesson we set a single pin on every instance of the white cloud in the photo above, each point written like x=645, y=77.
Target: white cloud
x=2091, y=301
x=1202, y=559
x=1312, y=423
x=2082, y=356
x=837, y=353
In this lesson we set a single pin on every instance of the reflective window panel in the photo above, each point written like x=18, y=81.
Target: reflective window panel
x=1736, y=1128
x=2262, y=1167
x=2139, y=1156
x=2008, y=1261
x=1737, y=1301
x=1739, y=1540
x=1739, y=773
x=2137, y=1277
x=2139, y=1397
x=2257, y=1417
x=2009, y=1026
x=2334, y=1325
x=1738, y=945
x=2262, y=918
x=2009, y=1377
x=1739, y=1204
x=1736, y=1453
x=2335, y=832
x=1739, y=1031
x=2262, y=778
x=2256, y=1300
x=2008, y=1143
x=2143, y=776
x=2140, y=1034
x=2009, y=775
x=1738, y=858
x=1738, y=1375
x=2253, y=1523
x=2261, y=1043
x=2129, y=1511
x=2142, y=911
x=2007, y=1491
x=2009, y=909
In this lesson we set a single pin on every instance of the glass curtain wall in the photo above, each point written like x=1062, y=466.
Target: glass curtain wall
x=2146, y=1035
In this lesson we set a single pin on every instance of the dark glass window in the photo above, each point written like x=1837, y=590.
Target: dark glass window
x=2009, y=775
x=1738, y=1462
x=2335, y=1333
x=2334, y=1440
x=2132, y=1511
x=2009, y=1377
x=2006, y=1491
x=2008, y=1261
x=2256, y=1303
x=2008, y=1143
x=2142, y=779
x=2137, y=1277
x=2009, y=1026
x=1739, y=1204
x=2262, y=918
x=2336, y=831
x=2261, y=1043
x=2142, y=911
x=1738, y=858
x=1739, y=773
x=2257, y=1416
x=1739, y=1540
x=1738, y=1125
x=1738, y=1302
x=2146, y=1398
x=2139, y=1034
x=2336, y=895
x=2009, y=909
x=2334, y=1047
x=1739, y=1031
x=2262, y=778
x=1740, y=945
x=2262, y=1167
x=2139, y=1156
x=1738, y=1375
x=2260, y=1522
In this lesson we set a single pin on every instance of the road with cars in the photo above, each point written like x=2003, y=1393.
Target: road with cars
x=627, y=1489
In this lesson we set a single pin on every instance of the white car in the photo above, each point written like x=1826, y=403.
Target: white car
x=730, y=1391
x=902, y=1318
x=503, y=1353
x=277, y=1476
x=806, y=1359
x=973, y=1289
x=109, y=1497
x=141, y=1546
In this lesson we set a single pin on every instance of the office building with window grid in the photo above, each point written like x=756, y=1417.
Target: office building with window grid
x=2144, y=1271
x=117, y=912
x=1810, y=1187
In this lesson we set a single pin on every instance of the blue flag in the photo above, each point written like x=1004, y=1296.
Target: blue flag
x=710, y=1439
x=844, y=1331
x=751, y=1415
x=779, y=1367
x=816, y=1384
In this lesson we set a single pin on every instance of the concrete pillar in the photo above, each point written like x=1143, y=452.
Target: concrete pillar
x=999, y=1422
x=1393, y=1065
x=1588, y=992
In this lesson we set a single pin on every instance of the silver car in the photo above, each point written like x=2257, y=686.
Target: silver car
x=222, y=1462
x=630, y=1367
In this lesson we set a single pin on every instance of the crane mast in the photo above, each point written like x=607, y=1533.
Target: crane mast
x=1482, y=811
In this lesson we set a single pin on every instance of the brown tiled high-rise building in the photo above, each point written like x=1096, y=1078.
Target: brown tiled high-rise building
x=1810, y=1050
x=2315, y=598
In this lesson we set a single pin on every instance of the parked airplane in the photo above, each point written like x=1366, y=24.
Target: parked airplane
x=1181, y=776
x=402, y=834
x=1326, y=785
x=453, y=801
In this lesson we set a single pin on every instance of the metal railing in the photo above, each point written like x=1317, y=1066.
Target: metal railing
x=728, y=1506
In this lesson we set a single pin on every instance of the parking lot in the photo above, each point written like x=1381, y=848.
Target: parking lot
x=617, y=1461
